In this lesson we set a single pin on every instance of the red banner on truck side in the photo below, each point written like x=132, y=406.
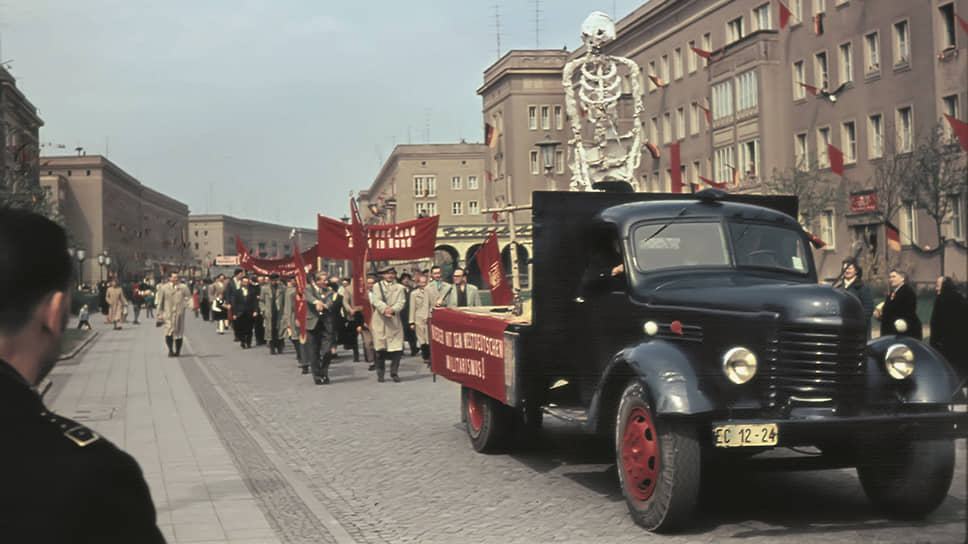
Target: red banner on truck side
x=469, y=349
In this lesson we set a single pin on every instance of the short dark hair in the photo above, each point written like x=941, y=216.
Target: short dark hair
x=435, y=267
x=462, y=270
x=29, y=243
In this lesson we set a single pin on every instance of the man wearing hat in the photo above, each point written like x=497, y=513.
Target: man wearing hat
x=229, y=295
x=388, y=298
x=321, y=304
x=271, y=302
x=173, y=299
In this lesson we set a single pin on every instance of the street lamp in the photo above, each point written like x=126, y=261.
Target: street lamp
x=100, y=268
x=80, y=255
x=547, y=147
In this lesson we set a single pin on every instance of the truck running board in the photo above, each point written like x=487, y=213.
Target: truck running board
x=570, y=414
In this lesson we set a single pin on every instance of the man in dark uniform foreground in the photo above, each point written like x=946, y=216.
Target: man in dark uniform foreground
x=61, y=481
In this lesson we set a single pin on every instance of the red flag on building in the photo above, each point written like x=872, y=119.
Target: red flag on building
x=707, y=111
x=489, y=138
x=711, y=183
x=960, y=128
x=785, y=14
x=810, y=88
x=657, y=81
x=963, y=23
x=300, y=309
x=489, y=261
x=893, y=236
x=653, y=150
x=701, y=52
x=816, y=241
x=675, y=167
x=836, y=157
x=818, y=24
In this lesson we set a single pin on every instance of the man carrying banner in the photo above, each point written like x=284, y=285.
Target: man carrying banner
x=388, y=299
x=438, y=290
x=321, y=303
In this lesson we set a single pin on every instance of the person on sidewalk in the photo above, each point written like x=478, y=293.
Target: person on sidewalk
x=321, y=303
x=420, y=317
x=388, y=299
x=230, y=296
x=82, y=318
x=62, y=482
x=114, y=296
x=245, y=307
x=898, y=314
x=173, y=299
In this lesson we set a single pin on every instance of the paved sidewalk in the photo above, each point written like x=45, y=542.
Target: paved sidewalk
x=126, y=388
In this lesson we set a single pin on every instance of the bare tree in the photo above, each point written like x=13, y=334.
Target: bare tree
x=892, y=172
x=936, y=178
x=814, y=190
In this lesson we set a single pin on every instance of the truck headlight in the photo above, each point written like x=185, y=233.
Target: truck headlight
x=739, y=365
x=899, y=361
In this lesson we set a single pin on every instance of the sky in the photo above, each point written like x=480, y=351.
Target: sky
x=267, y=110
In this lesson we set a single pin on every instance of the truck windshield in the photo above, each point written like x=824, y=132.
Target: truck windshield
x=679, y=244
x=768, y=246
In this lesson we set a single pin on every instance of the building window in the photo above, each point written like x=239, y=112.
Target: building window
x=534, y=162
x=746, y=91
x=419, y=187
x=902, y=45
x=723, y=163
x=694, y=119
x=473, y=208
x=545, y=117
x=749, y=159
x=828, y=231
x=799, y=91
x=955, y=222
x=872, y=54
x=653, y=130
x=681, y=122
x=667, y=181
x=761, y=18
x=691, y=57
x=425, y=209
x=707, y=45
x=652, y=85
x=819, y=6
x=677, y=63
x=904, y=122
x=909, y=224
x=796, y=10
x=875, y=136
x=949, y=106
x=723, y=100
x=455, y=183
x=848, y=139
x=559, y=118
x=947, y=36
x=559, y=162
x=457, y=207
x=664, y=69
x=846, y=63
x=696, y=172
x=666, y=128
x=801, y=152
x=533, y=117
x=734, y=30
x=823, y=139
x=472, y=182
x=820, y=69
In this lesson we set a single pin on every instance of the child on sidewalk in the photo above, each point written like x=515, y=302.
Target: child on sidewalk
x=83, y=316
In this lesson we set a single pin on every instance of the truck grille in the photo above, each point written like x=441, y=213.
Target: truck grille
x=820, y=366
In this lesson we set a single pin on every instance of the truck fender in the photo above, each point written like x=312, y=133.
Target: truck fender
x=933, y=379
x=664, y=369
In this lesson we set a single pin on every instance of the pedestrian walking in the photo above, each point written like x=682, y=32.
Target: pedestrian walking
x=438, y=289
x=321, y=304
x=232, y=287
x=289, y=324
x=388, y=299
x=949, y=325
x=149, y=294
x=420, y=316
x=245, y=307
x=114, y=296
x=173, y=299
x=62, y=481
x=898, y=314
x=205, y=304
x=348, y=334
x=271, y=302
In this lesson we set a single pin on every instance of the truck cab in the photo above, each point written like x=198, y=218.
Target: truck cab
x=691, y=328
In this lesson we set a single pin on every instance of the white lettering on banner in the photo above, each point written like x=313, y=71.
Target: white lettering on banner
x=494, y=274
x=492, y=347
x=465, y=366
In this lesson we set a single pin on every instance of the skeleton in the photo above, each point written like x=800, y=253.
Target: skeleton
x=608, y=155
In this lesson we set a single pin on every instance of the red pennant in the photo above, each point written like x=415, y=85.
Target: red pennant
x=495, y=217
x=490, y=176
x=785, y=15
x=818, y=24
x=657, y=81
x=676, y=167
x=810, y=88
x=711, y=183
x=701, y=52
x=893, y=236
x=707, y=111
x=836, y=157
x=653, y=150
x=816, y=241
x=489, y=138
x=360, y=241
x=489, y=261
x=963, y=23
x=960, y=129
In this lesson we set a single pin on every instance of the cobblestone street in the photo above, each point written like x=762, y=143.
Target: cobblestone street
x=361, y=461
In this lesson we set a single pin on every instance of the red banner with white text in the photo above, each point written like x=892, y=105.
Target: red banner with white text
x=412, y=239
x=489, y=261
x=283, y=267
x=469, y=349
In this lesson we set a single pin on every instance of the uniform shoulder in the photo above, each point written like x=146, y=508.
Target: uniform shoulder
x=75, y=435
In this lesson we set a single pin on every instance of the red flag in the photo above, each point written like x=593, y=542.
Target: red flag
x=963, y=23
x=285, y=266
x=657, y=81
x=707, y=111
x=653, y=150
x=785, y=14
x=333, y=239
x=701, y=52
x=489, y=261
x=960, y=128
x=489, y=138
x=676, y=167
x=816, y=241
x=818, y=24
x=893, y=237
x=495, y=217
x=360, y=255
x=836, y=157
x=300, y=309
x=711, y=183
x=810, y=88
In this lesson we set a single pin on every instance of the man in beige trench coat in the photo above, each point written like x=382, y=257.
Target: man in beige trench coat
x=420, y=306
x=114, y=296
x=388, y=298
x=172, y=299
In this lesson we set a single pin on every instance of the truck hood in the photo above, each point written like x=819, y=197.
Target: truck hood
x=794, y=301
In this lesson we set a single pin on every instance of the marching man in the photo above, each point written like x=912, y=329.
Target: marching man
x=173, y=298
x=388, y=298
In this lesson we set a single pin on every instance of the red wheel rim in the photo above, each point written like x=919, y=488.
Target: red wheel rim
x=475, y=410
x=640, y=454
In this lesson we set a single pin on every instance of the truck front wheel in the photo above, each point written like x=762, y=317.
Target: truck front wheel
x=908, y=479
x=488, y=422
x=658, y=463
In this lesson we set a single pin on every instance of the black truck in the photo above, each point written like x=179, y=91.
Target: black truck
x=691, y=329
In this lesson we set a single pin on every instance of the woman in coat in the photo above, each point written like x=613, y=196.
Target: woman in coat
x=949, y=326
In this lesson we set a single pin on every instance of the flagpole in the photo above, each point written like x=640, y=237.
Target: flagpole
x=515, y=279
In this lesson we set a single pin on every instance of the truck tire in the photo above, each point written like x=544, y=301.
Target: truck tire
x=488, y=422
x=658, y=464
x=910, y=479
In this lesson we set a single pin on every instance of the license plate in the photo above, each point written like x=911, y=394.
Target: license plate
x=736, y=436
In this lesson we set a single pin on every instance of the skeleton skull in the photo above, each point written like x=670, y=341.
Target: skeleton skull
x=597, y=30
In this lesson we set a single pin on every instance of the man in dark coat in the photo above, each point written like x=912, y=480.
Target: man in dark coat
x=898, y=314
x=321, y=304
x=229, y=295
x=949, y=326
x=62, y=482
x=245, y=307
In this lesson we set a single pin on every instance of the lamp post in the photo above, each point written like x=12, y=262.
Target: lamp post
x=107, y=266
x=547, y=147
x=100, y=268
x=80, y=254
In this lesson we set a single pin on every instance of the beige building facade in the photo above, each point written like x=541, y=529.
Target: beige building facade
x=108, y=212
x=213, y=235
x=20, y=127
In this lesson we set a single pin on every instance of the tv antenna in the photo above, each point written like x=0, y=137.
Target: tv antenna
x=497, y=27
x=537, y=24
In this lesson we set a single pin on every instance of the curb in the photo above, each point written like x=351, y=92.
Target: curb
x=77, y=349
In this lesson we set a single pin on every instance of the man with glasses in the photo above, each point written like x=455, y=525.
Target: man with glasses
x=463, y=294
